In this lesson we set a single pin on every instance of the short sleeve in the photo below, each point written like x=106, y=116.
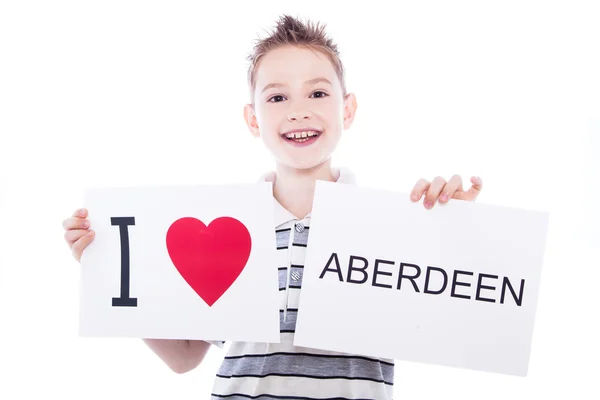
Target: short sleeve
x=218, y=343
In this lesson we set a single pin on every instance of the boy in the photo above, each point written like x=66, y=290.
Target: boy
x=299, y=107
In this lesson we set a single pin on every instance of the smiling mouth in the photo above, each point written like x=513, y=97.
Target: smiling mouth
x=301, y=136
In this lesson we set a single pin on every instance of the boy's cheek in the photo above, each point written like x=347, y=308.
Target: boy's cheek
x=330, y=112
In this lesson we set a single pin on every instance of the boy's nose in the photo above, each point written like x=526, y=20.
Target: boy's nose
x=295, y=116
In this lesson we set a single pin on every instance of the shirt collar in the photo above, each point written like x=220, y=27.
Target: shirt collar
x=282, y=215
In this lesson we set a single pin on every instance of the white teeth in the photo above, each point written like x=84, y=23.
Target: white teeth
x=299, y=135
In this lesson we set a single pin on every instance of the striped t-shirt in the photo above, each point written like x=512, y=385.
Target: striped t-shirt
x=269, y=371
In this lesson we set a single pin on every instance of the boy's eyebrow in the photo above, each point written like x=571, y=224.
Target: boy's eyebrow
x=308, y=82
x=317, y=80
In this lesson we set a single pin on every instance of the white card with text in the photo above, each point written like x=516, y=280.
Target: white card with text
x=456, y=285
x=190, y=262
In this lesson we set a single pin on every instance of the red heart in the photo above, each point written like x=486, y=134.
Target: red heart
x=209, y=258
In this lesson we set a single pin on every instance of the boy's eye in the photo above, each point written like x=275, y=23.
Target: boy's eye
x=276, y=99
x=322, y=94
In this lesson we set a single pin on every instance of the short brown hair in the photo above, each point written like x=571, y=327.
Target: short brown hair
x=292, y=31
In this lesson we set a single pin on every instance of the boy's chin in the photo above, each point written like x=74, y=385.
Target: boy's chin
x=303, y=159
x=303, y=163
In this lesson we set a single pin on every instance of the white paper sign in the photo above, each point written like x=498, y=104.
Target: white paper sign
x=456, y=285
x=194, y=262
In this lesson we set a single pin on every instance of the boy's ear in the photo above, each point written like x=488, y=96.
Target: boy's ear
x=349, y=109
x=251, y=120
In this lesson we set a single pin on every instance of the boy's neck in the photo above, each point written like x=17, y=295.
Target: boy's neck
x=294, y=188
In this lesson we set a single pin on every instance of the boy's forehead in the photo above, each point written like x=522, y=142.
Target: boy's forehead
x=291, y=64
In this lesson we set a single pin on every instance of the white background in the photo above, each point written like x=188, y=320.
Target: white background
x=122, y=92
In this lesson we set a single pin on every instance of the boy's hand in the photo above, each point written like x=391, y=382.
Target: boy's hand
x=443, y=190
x=77, y=234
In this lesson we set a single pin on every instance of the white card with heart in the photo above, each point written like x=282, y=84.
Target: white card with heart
x=181, y=262
x=456, y=285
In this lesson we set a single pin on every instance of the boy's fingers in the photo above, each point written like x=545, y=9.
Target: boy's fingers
x=72, y=235
x=420, y=187
x=75, y=223
x=67, y=224
x=473, y=192
x=434, y=191
x=452, y=188
x=81, y=213
x=81, y=244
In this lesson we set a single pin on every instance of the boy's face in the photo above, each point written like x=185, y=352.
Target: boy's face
x=298, y=93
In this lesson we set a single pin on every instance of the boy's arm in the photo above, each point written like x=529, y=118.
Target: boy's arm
x=180, y=355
